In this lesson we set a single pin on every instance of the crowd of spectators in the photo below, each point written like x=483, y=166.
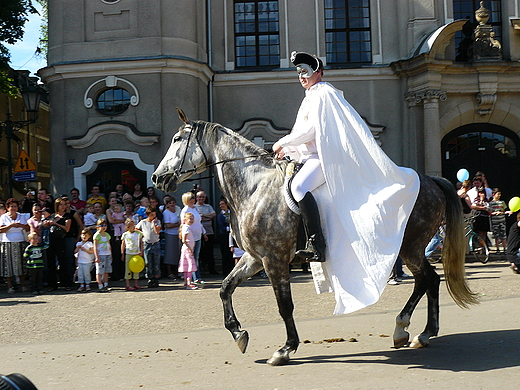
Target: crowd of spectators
x=54, y=233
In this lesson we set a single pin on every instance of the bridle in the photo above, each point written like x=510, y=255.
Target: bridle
x=178, y=172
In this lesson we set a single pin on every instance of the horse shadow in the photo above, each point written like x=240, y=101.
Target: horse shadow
x=15, y=302
x=475, y=352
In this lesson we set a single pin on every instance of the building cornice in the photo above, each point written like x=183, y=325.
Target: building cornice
x=289, y=76
x=112, y=127
x=74, y=70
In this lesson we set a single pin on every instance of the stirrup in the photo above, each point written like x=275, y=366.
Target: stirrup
x=311, y=253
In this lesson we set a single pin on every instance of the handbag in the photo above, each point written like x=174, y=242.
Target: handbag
x=57, y=232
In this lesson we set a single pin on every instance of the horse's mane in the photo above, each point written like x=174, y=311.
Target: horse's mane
x=246, y=146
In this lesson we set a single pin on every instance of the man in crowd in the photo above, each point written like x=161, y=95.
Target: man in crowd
x=97, y=197
x=75, y=202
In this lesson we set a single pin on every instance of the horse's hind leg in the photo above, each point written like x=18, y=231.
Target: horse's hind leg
x=432, y=325
x=426, y=281
x=246, y=267
x=278, y=272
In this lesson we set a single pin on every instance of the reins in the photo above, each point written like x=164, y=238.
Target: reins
x=206, y=164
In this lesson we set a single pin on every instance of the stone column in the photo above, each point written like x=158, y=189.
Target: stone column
x=432, y=131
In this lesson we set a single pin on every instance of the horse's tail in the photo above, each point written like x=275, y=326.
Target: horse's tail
x=454, y=248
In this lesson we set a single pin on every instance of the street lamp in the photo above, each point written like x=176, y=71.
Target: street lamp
x=31, y=97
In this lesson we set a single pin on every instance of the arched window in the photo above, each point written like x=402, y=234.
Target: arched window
x=480, y=141
x=485, y=147
x=113, y=101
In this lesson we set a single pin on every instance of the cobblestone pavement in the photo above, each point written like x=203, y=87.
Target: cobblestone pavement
x=171, y=338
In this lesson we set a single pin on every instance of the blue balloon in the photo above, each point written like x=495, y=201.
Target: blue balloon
x=462, y=174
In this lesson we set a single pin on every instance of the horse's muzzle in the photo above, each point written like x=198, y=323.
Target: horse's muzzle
x=164, y=182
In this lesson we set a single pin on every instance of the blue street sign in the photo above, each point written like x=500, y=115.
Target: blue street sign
x=25, y=176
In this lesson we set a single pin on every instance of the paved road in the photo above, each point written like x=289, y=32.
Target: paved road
x=171, y=338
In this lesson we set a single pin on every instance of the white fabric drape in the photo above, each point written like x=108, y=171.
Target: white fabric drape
x=365, y=203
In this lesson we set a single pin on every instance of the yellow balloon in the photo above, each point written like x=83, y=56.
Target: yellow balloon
x=136, y=264
x=514, y=204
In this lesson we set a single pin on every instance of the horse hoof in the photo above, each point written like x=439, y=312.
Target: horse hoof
x=242, y=341
x=420, y=341
x=401, y=342
x=279, y=359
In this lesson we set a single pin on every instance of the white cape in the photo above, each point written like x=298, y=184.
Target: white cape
x=365, y=204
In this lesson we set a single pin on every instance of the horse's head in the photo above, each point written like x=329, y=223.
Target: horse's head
x=184, y=158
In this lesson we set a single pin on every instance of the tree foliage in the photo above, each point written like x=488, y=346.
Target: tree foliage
x=44, y=28
x=13, y=15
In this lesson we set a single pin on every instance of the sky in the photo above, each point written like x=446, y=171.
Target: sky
x=23, y=52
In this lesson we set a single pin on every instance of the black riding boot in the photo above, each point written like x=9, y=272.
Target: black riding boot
x=315, y=249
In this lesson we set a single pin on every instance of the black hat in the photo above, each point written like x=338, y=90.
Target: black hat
x=298, y=58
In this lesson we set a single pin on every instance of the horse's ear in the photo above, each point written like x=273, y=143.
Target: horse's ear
x=182, y=115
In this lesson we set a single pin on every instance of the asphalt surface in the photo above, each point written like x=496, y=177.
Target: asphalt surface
x=171, y=338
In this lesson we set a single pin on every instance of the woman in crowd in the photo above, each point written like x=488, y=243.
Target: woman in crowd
x=12, y=228
x=59, y=224
x=481, y=205
x=138, y=193
x=171, y=215
x=98, y=213
x=223, y=225
x=150, y=191
x=115, y=217
x=35, y=222
x=72, y=236
x=466, y=202
x=188, y=199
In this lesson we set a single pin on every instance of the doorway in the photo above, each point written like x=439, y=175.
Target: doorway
x=110, y=173
x=484, y=147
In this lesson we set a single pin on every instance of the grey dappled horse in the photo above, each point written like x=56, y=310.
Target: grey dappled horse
x=251, y=181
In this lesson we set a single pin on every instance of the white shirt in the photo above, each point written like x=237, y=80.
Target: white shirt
x=300, y=144
x=169, y=217
x=84, y=257
x=473, y=194
x=197, y=229
x=13, y=234
x=149, y=235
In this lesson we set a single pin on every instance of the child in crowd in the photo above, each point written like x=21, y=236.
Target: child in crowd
x=151, y=227
x=235, y=249
x=117, y=215
x=131, y=245
x=103, y=255
x=89, y=220
x=497, y=210
x=144, y=203
x=34, y=256
x=84, y=259
x=45, y=229
x=187, y=263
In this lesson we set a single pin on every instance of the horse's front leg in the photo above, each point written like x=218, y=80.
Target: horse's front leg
x=246, y=267
x=278, y=273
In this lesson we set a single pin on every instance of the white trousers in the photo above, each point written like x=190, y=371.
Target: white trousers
x=308, y=178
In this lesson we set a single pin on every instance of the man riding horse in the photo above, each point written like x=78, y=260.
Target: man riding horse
x=327, y=132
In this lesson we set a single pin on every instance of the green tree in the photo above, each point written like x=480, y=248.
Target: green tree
x=44, y=28
x=13, y=15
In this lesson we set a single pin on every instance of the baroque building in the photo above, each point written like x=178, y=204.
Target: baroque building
x=24, y=139
x=438, y=85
